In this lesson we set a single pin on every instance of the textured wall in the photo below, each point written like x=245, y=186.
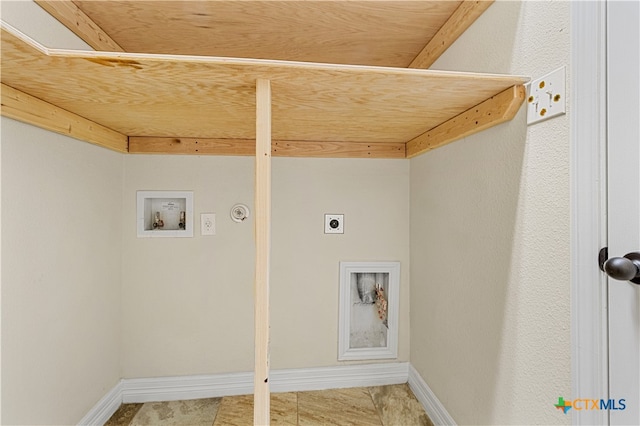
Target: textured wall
x=490, y=239
x=188, y=303
x=61, y=242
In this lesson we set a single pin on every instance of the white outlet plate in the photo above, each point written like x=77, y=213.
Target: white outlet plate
x=334, y=224
x=207, y=224
x=546, y=96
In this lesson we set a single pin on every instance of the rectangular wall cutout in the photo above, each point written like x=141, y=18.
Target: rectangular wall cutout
x=165, y=214
x=369, y=301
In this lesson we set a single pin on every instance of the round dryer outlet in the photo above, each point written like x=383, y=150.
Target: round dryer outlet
x=239, y=212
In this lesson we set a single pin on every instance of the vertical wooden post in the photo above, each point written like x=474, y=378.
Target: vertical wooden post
x=261, y=395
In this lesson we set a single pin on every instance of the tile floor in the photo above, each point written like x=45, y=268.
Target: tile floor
x=380, y=405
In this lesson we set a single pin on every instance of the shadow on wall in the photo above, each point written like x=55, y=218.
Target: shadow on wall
x=466, y=236
x=496, y=41
x=462, y=244
x=490, y=238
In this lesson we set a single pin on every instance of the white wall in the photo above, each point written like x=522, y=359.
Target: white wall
x=35, y=22
x=61, y=239
x=188, y=303
x=374, y=197
x=489, y=253
x=490, y=239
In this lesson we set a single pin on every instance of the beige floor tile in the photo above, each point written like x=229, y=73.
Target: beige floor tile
x=238, y=410
x=397, y=406
x=124, y=415
x=337, y=407
x=381, y=405
x=196, y=412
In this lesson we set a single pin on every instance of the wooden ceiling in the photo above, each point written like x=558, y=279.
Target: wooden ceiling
x=384, y=33
x=198, y=102
x=371, y=32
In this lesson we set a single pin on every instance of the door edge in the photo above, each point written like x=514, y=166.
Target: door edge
x=589, y=334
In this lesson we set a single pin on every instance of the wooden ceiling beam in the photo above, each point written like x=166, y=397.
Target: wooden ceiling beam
x=31, y=110
x=495, y=110
x=191, y=146
x=72, y=17
x=460, y=20
x=245, y=147
x=338, y=149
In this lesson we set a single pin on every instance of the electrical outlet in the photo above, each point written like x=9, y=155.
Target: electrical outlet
x=546, y=96
x=334, y=224
x=207, y=224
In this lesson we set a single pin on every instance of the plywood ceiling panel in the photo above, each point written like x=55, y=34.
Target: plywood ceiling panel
x=187, y=96
x=383, y=33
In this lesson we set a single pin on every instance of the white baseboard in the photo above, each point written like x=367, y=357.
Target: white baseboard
x=104, y=409
x=344, y=376
x=434, y=408
x=186, y=387
x=289, y=380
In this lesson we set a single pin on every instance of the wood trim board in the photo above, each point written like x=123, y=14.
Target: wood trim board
x=26, y=108
x=493, y=111
x=261, y=394
x=79, y=23
x=244, y=147
x=465, y=15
